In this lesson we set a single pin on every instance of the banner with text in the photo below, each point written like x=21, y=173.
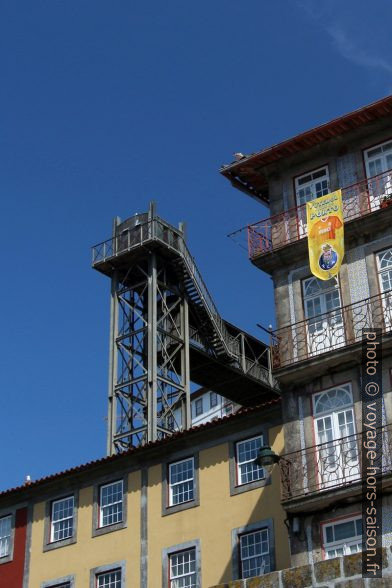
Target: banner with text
x=325, y=235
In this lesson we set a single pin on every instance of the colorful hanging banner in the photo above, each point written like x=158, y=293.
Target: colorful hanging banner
x=325, y=235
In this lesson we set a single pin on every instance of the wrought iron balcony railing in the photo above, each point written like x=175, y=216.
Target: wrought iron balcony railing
x=289, y=226
x=331, y=330
x=331, y=465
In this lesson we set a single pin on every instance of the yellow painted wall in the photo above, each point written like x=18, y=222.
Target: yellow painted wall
x=88, y=552
x=218, y=513
x=211, y=523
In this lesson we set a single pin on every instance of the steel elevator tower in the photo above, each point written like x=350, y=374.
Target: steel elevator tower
x=165, y=332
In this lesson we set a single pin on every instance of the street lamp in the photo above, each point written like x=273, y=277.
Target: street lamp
x=267, y=458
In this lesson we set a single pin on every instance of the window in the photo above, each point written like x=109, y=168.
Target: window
x=111, y=579
x=342, y=537
x=253, y=548
x=5, y=535
x=182, y=569
x=62, y=519
x=246, y=453
x=308, y=187
x=312, y=185
x=111, y=504
x=337, y=459
x=254, y=553
x=322, y=306
x=228, y=409
x=384, y=267
x=378, y=161
x=181, y=565
x=198, y=406
x=64, y=582
x=181, y=481
x=213, y=399
x=108, y=576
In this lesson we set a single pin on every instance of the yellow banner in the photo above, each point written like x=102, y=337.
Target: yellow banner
x=325, y=235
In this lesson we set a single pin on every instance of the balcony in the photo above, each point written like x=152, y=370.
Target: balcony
x=330, y=331
x=319, y=471
x=288, y=227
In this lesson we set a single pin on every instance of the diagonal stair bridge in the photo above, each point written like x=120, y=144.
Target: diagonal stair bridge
x=165, y=332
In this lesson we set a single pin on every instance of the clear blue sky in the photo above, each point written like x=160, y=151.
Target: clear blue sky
x=105, y=105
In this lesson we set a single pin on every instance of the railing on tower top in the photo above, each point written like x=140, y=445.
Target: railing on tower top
x=289, y=226
x=330, y=465
x=157, y=229
x=330, y=330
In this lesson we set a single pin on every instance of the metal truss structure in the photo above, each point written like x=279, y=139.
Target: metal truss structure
x=165, y=332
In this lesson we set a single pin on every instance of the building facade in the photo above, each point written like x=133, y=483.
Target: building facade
x=189, y=510
x=207, y=405
x=316, y=346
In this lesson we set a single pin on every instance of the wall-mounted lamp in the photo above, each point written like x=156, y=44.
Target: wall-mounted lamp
x=267, y=458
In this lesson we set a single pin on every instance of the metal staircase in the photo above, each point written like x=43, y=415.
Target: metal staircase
x=221, y=356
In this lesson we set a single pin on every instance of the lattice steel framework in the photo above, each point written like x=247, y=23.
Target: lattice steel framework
x=149, y=381
x=161, y=313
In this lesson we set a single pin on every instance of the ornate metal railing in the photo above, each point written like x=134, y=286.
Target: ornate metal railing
x=289, y=226
x=331, y=330
x=330, y=465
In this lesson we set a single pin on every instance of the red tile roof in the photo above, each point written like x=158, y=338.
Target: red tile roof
x=246, y=173
x=136, y=450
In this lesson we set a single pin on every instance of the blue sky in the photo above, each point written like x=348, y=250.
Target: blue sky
x=106, y=105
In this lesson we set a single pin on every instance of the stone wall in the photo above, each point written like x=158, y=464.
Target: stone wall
x=342, y=572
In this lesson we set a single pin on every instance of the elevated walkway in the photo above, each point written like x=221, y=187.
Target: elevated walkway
x=223, y=357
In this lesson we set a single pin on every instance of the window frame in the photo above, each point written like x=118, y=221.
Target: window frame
x=238, y=463
x=9, y=512
x=236, y=534
x=168, y=552
x=171, y=485
x=101, y=508
x=366, y=160
x=97, y=529
x=235, y=487
x=52, y=521
x=105, y=569
x=337, y=544
x=176, y=553
x=307, y=173
x=166, y=507
x=48, y=544
x=198, y=403
x=215, y=396
x=59, y=582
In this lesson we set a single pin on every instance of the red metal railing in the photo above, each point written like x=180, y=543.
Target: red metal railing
x=289, y=226
x=330, y=330
x=331, y=465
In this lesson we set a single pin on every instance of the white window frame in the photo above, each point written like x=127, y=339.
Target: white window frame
x=311, y=183
x=54, y=522
x=267, y=567
x=103, y=508
x=261, y=471
x=172, y=485
x=6, y=539
x=386, y=294
x=368, y=159
x=107, y=573
x=344, y=544
x=337, y=459
x=174, y=579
